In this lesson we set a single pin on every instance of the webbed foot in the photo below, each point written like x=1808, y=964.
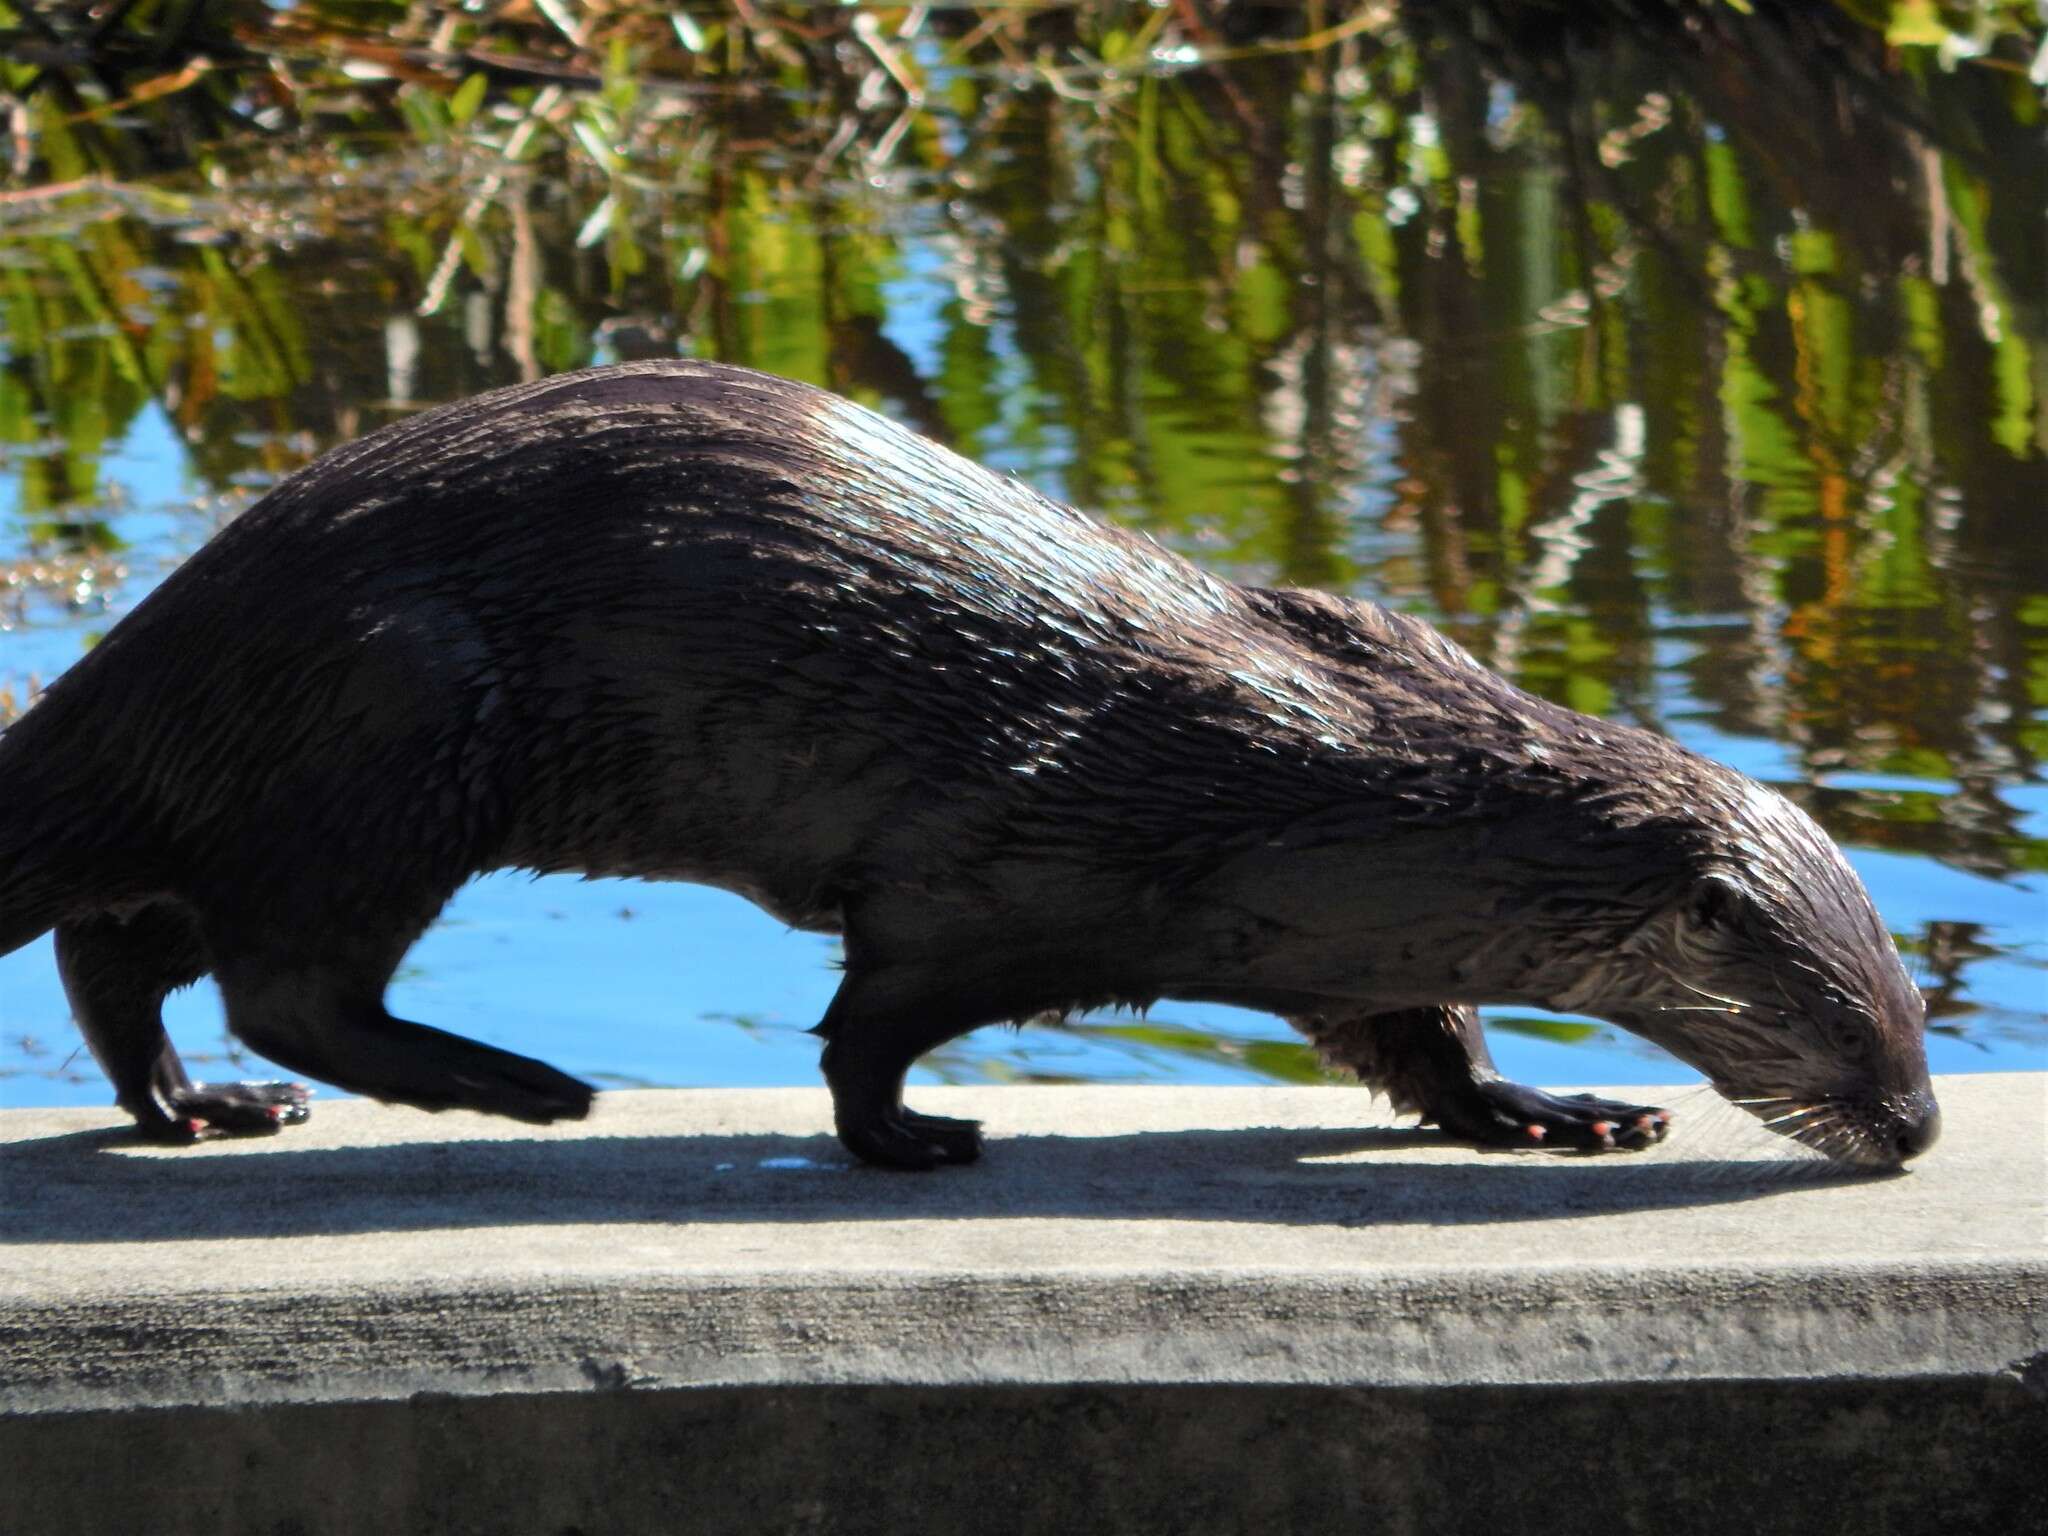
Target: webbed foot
x=902, y=1138
x=1497, y=1113
x=236, y=1109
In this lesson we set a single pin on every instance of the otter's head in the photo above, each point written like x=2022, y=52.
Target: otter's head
x=1770, y=971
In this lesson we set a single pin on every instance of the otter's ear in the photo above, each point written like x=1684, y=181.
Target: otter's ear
x=1715, y=903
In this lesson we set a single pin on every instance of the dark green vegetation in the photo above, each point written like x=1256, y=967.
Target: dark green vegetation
x=1686, y=358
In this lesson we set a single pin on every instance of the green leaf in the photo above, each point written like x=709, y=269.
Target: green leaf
x=592, y=139
x=1915, y=23
x=1558, y=1031
x=595, y=225
x=467, y=98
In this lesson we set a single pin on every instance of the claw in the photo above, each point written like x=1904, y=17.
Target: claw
x=1498, y=1113
x=906, y=1139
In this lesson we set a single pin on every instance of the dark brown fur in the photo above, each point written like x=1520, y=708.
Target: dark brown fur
x=681, y=621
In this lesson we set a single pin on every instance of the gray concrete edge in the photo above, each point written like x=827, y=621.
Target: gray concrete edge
x=1477, y=1328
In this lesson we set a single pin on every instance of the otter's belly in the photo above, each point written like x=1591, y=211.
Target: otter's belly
x=698, y=775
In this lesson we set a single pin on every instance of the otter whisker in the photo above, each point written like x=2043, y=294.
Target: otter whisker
x=1829, y=1136
x=1831, y=1141
x=1734, y=1004
x=1800, y=1124
x=1793, y=1112
x=1823, y=1126
x=1836, y=1135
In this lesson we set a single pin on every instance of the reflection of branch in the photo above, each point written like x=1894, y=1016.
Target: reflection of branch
x=885, y=147
x=150, y=90
x=988, y=27
x=1584, y=171
x=515, y=146
x=522, y=285
x=1057, y=80
x=843, y=135
x=869, y=31
x=1557, y=540
x=56, y=189
x=282, y=39
x=1374, y=18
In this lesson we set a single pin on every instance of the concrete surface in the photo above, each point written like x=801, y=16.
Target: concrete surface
x=697, y=1296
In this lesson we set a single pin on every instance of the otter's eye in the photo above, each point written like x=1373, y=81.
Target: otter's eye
x=1850, y=1043
x=1714, y=904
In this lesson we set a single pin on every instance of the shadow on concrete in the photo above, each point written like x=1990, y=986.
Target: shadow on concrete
x=82, y=1188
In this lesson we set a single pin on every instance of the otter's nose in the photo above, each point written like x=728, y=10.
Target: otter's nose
x=1917, y=1135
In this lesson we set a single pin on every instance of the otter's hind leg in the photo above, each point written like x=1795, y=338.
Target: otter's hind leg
x=1434, y=1062
x=117, y=970
x=326, y=1018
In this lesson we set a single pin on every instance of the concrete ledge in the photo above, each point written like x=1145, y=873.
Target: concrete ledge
x=1264, y=1304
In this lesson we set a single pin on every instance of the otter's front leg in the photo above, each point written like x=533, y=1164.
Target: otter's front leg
x=879, y=1023
x=1434, y=1062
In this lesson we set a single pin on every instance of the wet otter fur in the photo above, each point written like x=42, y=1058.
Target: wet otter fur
x=683, y=621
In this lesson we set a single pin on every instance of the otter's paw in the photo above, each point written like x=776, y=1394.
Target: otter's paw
x=959, y=1139
x=236, y=1109
x=1503, y=1114
x=902, y=1138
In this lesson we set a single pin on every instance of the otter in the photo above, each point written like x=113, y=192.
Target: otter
x=684, y=621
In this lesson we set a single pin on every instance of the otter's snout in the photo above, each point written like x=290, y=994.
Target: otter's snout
x=1918, y=1130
